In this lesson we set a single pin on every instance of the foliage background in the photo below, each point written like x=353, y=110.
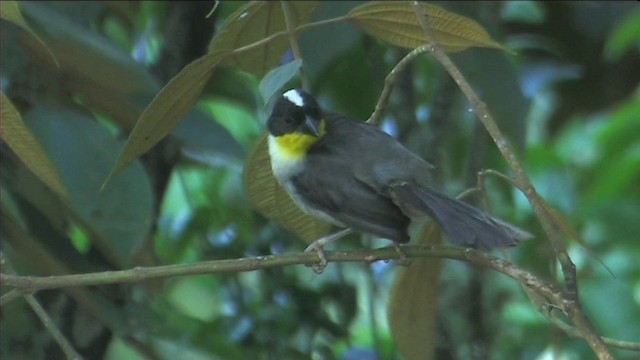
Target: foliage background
x=569, y=99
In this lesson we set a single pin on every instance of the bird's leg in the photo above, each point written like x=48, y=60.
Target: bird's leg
x=318, y=244
x=402, y=260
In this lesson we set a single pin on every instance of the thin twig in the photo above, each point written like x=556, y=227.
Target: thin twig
x=12, y=295
x=575, y=333
x=291, y=23
x=278, y=34
x=41, y=313
x=390, y=81
x=51, y=327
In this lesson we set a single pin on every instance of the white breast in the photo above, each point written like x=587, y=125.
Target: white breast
x=284, y=168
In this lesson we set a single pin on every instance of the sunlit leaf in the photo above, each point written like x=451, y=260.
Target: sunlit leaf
x=625, y=36
x=396, y=22
x=10, y=11
x=20, y=139
x=277, y=77
x=412, y=308
x=119, y=218
x=272, y=201
x=167, y=109
x=253, y=22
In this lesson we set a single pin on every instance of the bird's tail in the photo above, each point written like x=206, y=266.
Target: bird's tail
x=464, y=224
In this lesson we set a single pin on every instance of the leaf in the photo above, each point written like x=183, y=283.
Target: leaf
x=396, y=22
x=412, y=308
x=102, y=75
x=20, y=139
x=624, y=37
x=167, y=109
x=254, y=22
x=277, y=77
x=10, y=11
x=268, y=197
x=119, y=218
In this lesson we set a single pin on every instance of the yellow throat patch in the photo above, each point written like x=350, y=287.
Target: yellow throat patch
x=295, y=145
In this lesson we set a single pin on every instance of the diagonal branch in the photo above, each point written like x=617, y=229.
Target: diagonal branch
x=572, y=306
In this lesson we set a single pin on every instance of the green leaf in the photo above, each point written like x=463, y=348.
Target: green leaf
x=268, y=197
x=396, y=22
x=624, y=37
x=120, y=217
x=103, y=76
x=253, y=23
x=167, y=109
x=10, y=11
x=412, y=309
x=277, y=77
x=20, y=139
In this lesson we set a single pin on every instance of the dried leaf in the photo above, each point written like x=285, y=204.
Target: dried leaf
x=167, y=109
x=254, y=22
x=396, y=22
x=413, y=303
x=20, y=139
x=272, y=201
x=10, y=11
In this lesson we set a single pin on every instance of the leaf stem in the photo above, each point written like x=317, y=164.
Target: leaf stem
x=390, y=81
x=293, y=41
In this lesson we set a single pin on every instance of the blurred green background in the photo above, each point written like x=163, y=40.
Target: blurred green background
x=567, y=97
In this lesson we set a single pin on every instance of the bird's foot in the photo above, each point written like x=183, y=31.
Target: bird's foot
x=319, y=267
x=403, y=260
x=318, y=245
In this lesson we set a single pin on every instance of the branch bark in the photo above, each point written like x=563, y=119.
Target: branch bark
x=553, y=296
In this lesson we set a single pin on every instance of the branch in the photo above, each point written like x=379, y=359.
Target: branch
x=573, y=332
x=572, y=308
x=51, y=327
x=390, y=81
x=553, y=296
x=41, y=313
x=291, y=23
x=138, y=274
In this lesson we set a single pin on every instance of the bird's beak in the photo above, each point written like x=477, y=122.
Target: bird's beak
x=312, y=126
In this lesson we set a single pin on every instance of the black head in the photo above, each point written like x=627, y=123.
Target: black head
x=295, y=112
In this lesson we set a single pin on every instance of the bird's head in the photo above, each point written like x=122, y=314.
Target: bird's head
x=296, y=122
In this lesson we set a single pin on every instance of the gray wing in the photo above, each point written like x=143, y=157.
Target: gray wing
x=329, y=185
x=359, y=142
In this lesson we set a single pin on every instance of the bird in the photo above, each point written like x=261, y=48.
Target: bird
x=359, y=178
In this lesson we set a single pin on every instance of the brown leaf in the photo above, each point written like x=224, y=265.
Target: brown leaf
x=10, y=11
x=20, y=139
x=167, y=109
x=413, y=303
x=396, y=22
x=272, y=201
x=253, y=22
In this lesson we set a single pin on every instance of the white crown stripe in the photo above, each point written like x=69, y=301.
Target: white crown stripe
x=294, y=97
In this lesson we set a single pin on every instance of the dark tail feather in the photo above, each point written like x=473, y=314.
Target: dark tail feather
x=464, y=224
